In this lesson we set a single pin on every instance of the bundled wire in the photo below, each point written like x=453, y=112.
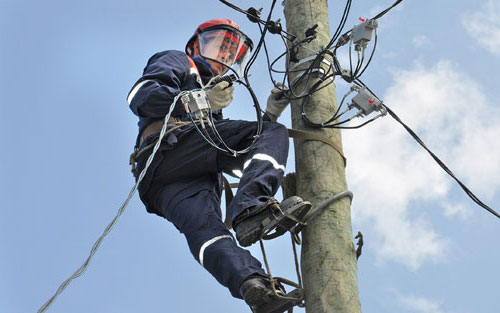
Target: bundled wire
x=352, y=75
x=467, y=191
x=442, y=165
x=218, y=141
x=376, y=17
x=113, y=222
x=341, y=25
x=324, y=76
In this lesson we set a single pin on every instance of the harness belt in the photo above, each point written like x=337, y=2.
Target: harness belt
x=173, y=124
x=156, y=127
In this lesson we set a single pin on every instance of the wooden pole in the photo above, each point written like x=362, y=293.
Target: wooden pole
x=328, y=257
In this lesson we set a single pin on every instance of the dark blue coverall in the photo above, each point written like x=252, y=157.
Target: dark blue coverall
x=184, y=182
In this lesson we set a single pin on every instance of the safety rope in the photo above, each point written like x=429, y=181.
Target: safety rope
x=294, y=234
x=280, y=279
x=110, y=226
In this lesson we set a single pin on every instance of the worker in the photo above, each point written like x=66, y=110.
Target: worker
x=184, y=181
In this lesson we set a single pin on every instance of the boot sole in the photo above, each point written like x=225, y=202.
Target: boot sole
x=281, y=223
x=254, y=297
x=298, y=211
x=279, y=305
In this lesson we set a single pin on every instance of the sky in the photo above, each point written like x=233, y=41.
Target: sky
x=66, y=68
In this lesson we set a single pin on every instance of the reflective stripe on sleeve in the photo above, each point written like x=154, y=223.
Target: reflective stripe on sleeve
x=136, y=88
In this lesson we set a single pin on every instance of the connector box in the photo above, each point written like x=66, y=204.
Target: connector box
x=196, y=102
x=366, y=102
x=362, y=33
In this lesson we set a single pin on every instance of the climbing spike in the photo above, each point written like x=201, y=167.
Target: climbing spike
x=284, y=303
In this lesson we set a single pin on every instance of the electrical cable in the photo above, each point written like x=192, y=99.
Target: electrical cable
x=354, y=77
x=371, y=56
x=376, y=17
x=304, y=79
x=357, y=126
x=113, y=222
x=441, y=164
x=246, y=83
x=269, y=67
x=259, y=45
x=341, y=25
x=438, y=161
x=252, y=16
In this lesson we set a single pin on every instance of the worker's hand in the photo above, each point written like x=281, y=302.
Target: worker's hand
x=220, y=95
x=277, y=101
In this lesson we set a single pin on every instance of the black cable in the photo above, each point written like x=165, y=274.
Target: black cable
x=387, y=10
x=356, y=126
x=253, y=16
x=371, y=56
x=345, y=36
x=206, y=137
x=247, y=68
x=287, y=53
x=306, y=75
x=204, y=133
x=269, y=66
x=341, y=25
x=441, y=164
x=259, y=45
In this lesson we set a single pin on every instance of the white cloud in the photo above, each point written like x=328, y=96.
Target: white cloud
x=420, y=41
x=421, y=305
x=484, y=25
x=456, y=210
x=392, y=175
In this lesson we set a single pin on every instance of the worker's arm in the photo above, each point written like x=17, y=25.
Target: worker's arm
x=161, y=81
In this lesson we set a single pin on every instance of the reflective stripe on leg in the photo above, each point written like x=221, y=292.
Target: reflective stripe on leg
x=237, y=173
x=265, y=157
x=208, y=243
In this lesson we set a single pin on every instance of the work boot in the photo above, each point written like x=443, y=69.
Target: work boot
x=255, y=222
x=257, y=292
x=259, y=295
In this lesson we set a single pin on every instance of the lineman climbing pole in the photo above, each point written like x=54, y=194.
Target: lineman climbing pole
x=329, y=263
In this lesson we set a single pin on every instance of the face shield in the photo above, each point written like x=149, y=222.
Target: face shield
x=226, y=48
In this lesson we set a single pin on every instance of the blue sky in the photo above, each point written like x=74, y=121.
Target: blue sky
x=65, y=70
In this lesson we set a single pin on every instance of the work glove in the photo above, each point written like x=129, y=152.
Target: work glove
x=220, y=95
x=277, y=102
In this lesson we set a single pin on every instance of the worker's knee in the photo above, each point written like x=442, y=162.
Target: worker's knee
x=203, y=246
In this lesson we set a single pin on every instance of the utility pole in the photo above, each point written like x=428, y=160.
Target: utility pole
x=329, y=264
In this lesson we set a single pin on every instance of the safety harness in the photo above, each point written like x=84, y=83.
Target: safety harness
x=173, y=124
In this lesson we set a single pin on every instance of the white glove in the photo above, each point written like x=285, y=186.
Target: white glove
x=277, y=102
x=220, y=95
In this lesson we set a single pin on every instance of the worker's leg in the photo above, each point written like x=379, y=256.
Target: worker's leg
x=262, y=168
x=253, y=211
x=199, y=218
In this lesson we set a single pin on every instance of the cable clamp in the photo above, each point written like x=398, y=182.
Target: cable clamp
x=308, y=59
x=315, y=70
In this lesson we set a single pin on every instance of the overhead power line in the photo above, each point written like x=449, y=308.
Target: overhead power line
x=442, y=165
